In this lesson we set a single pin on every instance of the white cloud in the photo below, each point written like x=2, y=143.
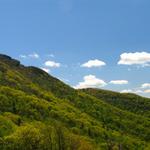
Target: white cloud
x=119, y=82
x=137, y=58
x=147, y=91
x=136, y=91
x=34, y=55
x=93, y=63
x=52, y=64
x=64, y=80
x=127, y=91
x=90, y=81
x=46, y=70
x=145, y=85
x=23, y=56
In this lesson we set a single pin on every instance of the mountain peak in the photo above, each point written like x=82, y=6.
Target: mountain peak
x=3, y=56
x=7, y=59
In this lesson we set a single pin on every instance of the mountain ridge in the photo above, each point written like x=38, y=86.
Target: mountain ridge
x=142, y=104
x=73, y=119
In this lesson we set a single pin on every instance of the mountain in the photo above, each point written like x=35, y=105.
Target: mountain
x=40, y=112
x=126, y=101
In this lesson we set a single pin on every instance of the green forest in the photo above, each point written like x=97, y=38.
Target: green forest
x=40, y=112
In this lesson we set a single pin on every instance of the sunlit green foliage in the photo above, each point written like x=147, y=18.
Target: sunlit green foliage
x=39, y=112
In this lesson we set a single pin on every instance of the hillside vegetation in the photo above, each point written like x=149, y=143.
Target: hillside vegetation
x=39, y=112
x=127, y=101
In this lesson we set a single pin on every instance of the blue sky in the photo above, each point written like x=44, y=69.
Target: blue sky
x=81, y=40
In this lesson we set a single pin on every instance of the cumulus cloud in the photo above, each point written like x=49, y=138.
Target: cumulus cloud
x=127, y=91
x=52, y=64
x=33, y=55
x=46, y=70
x=23, y=56
x=147, y=91
x=119, y=82
x=136, y=91
x=93, y=63
x=90, y=81
x=137, y=58
x=145, y=85
x=64, y=80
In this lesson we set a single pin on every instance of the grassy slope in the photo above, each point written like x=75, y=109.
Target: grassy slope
x=27, y=95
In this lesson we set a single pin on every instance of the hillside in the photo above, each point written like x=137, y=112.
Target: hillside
x=126, y=101
x=38, y=111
